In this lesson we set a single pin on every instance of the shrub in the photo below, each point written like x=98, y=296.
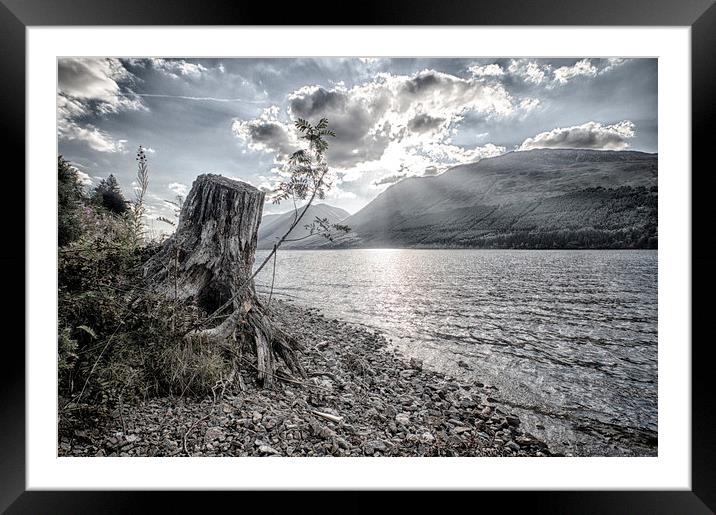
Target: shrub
x=69, y=202
x=66, y=357
x=116, y=339
x=109, y=195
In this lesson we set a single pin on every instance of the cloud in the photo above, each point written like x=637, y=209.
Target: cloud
x=488, y=70
x=390, y=179
x=529, y=71
x=424, y=122
x=353, y=114
x=405, y=171
x=544, y=74
x=405, y=111
x=527, y=104
x=84, y=178
x=612, y=63
x=201, y=99
x=389, y=127
x=68, y=107
x=584, y=67
x=93, y=87
x=92, y=83
x=454, y=154
x=267, y=133
x=89, y=78
x=591, y=135
x=179, y=188
x=336, y=193
x=95, y=138
x=425, y=113
x=176, y=68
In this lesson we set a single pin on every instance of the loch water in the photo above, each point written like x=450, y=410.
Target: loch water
x=567, y=338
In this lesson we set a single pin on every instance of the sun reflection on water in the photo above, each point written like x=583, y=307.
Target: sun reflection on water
x=571, y=332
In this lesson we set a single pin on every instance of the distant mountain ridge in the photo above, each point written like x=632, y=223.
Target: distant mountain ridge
x=544, y=198
x=274, y=226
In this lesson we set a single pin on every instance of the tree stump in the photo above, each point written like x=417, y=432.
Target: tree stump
x=209, y=261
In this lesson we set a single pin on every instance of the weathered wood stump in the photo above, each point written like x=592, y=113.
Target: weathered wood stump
x=209, y=261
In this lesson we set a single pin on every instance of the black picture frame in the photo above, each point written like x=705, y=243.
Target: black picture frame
x=17, y=15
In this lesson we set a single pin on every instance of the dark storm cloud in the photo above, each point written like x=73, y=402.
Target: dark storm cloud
x=424, y=122
x=422, y=82
x=271, y=133
x=388, y=108
x=317, y=102
x=351, y=117
x=266, y=134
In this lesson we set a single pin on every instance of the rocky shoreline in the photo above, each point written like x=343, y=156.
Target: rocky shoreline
x=361, y=397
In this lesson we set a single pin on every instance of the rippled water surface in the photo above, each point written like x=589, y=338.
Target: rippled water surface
x=568, y=338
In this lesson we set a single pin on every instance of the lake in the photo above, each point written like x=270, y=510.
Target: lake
x=568, y=338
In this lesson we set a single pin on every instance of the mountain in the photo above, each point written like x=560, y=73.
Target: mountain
x=274, y=226
x=544, y=198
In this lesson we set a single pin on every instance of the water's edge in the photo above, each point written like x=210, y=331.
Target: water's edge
x=577, y=423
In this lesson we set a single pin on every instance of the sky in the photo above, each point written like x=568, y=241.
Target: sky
x=393, y=118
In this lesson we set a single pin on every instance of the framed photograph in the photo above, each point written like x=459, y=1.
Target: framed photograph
x=440, y=248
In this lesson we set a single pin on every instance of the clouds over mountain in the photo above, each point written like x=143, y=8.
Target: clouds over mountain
x=395, y=118
x=391, y=122
x=407, y=111
x=592, y=135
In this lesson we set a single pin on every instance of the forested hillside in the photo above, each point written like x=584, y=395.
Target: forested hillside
x=534, y=199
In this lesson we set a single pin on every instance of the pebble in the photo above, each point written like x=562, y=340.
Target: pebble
x=267, y=449
x=389, y=404
x=513, y=421
x=512, y=445
x=214, y=433
x=403, y=418
x=427, y=437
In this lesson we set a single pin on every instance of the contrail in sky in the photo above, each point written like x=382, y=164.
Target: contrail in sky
x=210, y=99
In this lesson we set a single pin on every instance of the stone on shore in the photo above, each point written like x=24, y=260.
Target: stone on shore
x=374, y=401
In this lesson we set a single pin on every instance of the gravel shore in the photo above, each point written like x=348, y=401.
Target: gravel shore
x=361, y=397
